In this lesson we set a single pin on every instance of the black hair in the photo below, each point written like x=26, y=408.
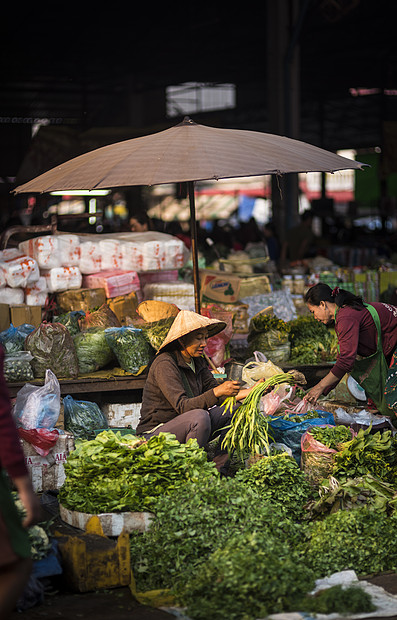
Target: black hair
x=322, y=292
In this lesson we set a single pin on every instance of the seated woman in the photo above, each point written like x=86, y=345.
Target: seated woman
x=181, y=395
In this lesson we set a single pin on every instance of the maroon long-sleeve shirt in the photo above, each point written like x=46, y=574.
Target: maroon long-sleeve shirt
x=11, y=454
x=357, y=335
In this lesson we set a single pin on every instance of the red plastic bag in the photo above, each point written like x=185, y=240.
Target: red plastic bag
x=41, y=439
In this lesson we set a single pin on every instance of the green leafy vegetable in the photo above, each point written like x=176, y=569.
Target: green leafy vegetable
x=193, y=521
x=311, y=341
x=331, y=436
x=340, y=600
x=361, y=540
x=250, y=577
x=118, y=472
x=279, y=480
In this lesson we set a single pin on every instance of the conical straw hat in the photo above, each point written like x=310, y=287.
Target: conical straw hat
x=186, y=322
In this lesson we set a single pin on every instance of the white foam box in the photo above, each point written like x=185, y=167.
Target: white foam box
x=119, y=414
x=113, y=524
x=47, y=472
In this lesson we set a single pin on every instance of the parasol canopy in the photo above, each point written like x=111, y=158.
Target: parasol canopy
x=187, y=152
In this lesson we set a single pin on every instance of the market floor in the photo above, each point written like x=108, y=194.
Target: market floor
x=119, y=604
x=116, y=604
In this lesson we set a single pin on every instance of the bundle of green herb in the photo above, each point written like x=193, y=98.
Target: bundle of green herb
x=279, y=480
x=331, y=436
x=251, y=576
x=361, y=540
x=248, y=433
x=339, y=600
x=193, y=521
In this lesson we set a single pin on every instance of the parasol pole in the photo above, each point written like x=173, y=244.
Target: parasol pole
x=193, y=235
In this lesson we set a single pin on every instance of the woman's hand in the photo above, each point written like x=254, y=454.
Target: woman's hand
x=228, y=388
x=313, y=395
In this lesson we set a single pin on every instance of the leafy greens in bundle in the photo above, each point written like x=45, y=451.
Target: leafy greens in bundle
x=114, y=473
x=279, y=480
x=192, y=522
x=252, y=576
x=361, y=540
x=368, y=453
x=311, y=341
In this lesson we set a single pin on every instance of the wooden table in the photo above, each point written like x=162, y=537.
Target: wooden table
x=88, y=385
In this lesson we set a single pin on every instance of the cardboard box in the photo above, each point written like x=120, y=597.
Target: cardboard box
x=81, y=299
x=25, y=314
x=122, y=415
x=4, y=317
x=47, y=472
x=124, y=307
x=220, y=287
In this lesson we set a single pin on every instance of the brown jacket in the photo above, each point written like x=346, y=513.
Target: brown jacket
x=165, y=395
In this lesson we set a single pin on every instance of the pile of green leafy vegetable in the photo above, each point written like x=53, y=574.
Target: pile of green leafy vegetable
x=366, y=491
x=279, y=480
x=92, y=350
x=311, y=341
x=251, y=576
x=115, y=473
x=374, y=453
x=331, y=436
x=156, y=331
x=193, y=521
x=339, y=600
x=361, y=540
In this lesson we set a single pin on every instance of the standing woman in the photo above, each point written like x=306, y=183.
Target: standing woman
x=367, y=339
x=181, y=395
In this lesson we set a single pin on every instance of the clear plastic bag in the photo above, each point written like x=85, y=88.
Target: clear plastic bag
x=52, y=347
x=13, y=338
x=82, y=417
x=38, y=406
x=17, y=367
x=259, y=368
x=129, y=345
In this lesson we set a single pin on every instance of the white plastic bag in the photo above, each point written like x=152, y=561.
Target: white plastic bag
x=38, y=406
x=260, y=368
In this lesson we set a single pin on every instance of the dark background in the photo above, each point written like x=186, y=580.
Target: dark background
x=322, y=71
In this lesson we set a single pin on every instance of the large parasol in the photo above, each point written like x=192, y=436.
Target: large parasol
x=188, y=152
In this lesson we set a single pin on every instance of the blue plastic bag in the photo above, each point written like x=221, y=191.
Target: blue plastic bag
x=82, y=417
x=290, y=432
x=13, y=338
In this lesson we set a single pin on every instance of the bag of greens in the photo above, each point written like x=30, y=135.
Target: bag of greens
x=52, y=347
x=93, y=351
x=82, y=417
x=70, y=320
x=132, y=350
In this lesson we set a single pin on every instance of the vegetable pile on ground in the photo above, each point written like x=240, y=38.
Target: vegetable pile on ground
x=311, y=341
x=244, y=547
x=124, y=473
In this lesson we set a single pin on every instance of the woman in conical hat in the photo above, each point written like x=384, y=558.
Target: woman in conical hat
x=181, y=396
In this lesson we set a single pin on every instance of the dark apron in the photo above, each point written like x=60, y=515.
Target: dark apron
x=371, y=371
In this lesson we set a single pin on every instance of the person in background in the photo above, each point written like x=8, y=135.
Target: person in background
x=367, y=340
x=299, y=240
x=15, y=561
x=139, y=222
x=181, y=396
